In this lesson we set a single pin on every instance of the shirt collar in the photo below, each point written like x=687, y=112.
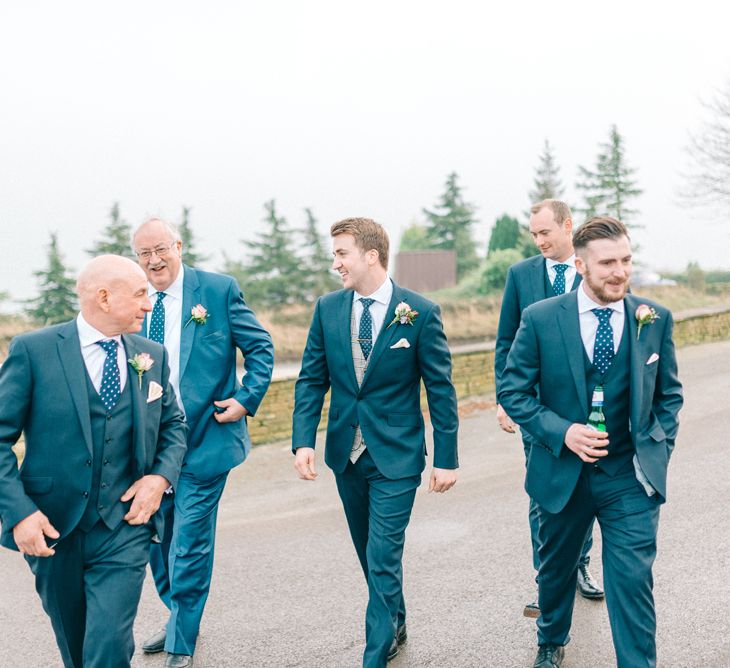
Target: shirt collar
x=551, y=263
x=89, y=335
x=174, y=290
x=382, y=295
x=585, y=303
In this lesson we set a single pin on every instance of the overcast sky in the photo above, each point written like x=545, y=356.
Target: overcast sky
x=348, y=108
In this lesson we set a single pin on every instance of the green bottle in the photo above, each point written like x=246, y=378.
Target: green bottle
x=597, y=419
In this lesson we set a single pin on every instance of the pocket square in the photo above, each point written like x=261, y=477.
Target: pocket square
x=403, y=343
x=654, y=357
x=154, y=392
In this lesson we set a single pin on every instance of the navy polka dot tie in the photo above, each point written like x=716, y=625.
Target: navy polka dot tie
x=559, y=283
x=365, y=335
x=157, y=322
x=603, y=350
x=111, y=386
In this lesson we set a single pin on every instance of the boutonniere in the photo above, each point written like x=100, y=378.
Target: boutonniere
x=645, y=315
x=404, y=315
x=141, y=363
x=198, y=315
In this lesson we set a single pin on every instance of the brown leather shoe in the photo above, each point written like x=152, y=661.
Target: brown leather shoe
x=532, y=610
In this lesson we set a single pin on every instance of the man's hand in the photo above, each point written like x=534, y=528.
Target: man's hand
x=586, y=442
x=147, y=495
x=304, y=463
x=442, y=480
x=505, y=421
x=233, y=413
x=29, y=535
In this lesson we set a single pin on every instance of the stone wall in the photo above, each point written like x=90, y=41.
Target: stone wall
x=473, y=373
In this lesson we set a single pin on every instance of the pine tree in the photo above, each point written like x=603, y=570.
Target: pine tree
x=547, y=178
x=505, y=234
x=610, y=187
x=449, y=227
x=318, y=279
x=271, y=276
x=116, y=237
x=57, y=299
x=190, y=256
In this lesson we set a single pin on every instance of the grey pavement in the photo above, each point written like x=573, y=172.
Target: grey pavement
x=287, y=589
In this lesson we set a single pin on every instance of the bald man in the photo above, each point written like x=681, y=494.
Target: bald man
x=104, y=437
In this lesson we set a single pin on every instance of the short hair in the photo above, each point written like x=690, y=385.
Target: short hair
x=174, y=232
x=599, y=227
x=368, y=235
x=561, y=211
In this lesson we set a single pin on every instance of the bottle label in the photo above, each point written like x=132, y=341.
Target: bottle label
x=597, y=399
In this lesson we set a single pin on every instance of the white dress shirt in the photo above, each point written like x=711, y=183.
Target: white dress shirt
x=95, y=356
x=589, y=321
x=173, y=327
x=378, y=309
x=570, y=272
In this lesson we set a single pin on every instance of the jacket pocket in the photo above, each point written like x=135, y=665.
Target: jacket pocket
x=33, y=485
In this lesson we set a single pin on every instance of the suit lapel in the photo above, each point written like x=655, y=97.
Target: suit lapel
x=538, y=278
x=385, y=336
x=138, y=403
x=569, y=323
x=638, y=358
x=191, y=297
x=74, y=368
x=344, y=315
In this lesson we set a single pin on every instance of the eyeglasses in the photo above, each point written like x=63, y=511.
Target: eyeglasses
x=159, y=251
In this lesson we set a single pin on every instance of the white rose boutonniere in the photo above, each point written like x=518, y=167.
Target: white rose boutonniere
x=645, y=315
x=404, y=315
x=198, y=315
x=141, y=363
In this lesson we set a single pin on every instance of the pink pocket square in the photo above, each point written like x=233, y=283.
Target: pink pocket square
x=654, y=357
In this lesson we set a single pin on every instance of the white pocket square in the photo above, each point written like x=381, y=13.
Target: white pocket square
x=403, y=343
x=654, y=357
x=154, y=392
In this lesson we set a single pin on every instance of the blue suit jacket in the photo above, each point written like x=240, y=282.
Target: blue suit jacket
x=544, y=390
x=387, y=404
x=525, y=285
x=43, y=392
x=208, y=370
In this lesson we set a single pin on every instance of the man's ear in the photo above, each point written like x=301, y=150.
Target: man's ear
x=373, y=257
x=580, y=266
x=102, y=299
x=568, y=225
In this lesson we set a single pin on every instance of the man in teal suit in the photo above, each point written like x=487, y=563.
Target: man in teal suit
x=372, y=344
x=203, y=321
x=597, y=345
x=548, y=274
x=104, y=437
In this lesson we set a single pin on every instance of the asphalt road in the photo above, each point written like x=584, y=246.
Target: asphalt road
x=287, y=589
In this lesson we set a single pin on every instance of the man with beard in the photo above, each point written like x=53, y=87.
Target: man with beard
x=620, y=354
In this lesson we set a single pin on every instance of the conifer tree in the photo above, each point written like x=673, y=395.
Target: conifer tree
x=505, y=234
x=317, y=261
x=449, y=227
x=414, y=238
x=57, y=299
x=547, y=178
x=190, y=256
x=116, y=237
x=610, y=187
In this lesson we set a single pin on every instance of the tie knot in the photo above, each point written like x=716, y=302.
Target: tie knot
x=161, y=296
x=603, y=314
x=109, y=346
x=366, y=301
x=560, y=269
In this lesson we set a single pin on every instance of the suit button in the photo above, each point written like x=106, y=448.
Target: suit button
x=88, y=462
x=86, y=495
x=108, y=440
x=106, y=461
x=108, y=417
x=103, y=485
x=101, y=507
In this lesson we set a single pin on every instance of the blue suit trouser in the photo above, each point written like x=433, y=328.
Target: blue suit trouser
x=629, y=520
x=534, y=519
x=182, y=564
x=91, y=589
x=378, y=510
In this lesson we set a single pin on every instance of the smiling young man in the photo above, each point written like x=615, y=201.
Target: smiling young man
x=551, y=273
x=373, y=343
x=569, y=353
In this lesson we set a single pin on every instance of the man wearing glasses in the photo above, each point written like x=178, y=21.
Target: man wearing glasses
x=202, y=319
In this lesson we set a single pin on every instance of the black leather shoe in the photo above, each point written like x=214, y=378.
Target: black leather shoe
x=401, y=635
x=587, y=586
x=179, y=661
x=155, y=643
x=532, y=610
x=549, y=656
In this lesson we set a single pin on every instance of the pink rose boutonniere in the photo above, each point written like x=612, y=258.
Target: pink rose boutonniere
x=141, y=363
x=198, y=315
x=645, y=315
x=404, y=315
